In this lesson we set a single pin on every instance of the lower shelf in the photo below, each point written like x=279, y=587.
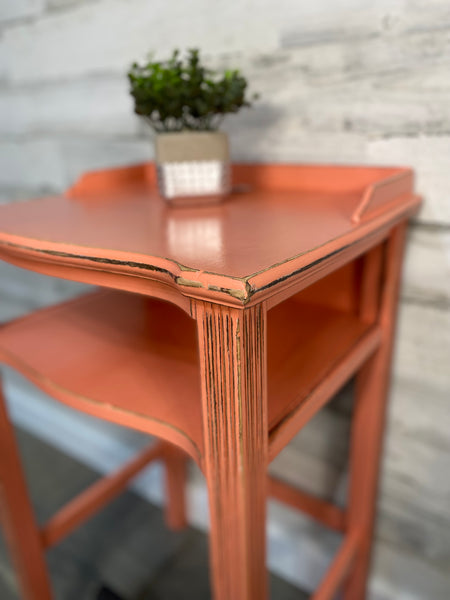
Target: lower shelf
x=117, y=356
x=134, y=360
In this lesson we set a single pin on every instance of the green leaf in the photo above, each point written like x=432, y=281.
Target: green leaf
x=181, y=93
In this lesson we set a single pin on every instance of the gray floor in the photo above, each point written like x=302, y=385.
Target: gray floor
x=126, y=547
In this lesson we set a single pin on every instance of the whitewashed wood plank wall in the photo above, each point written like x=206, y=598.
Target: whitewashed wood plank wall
x=348, y=81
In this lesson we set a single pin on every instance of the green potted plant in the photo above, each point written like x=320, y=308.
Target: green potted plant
x=184, y=103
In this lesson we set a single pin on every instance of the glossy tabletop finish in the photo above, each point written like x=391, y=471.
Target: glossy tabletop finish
x=280, y=222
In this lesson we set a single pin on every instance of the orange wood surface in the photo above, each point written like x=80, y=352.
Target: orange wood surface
x=255, y=243
x=234, y=396
x=368, y=420
x=176, y=476
x=130, y=360
x=244, y=319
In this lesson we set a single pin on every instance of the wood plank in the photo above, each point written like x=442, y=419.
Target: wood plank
x=426, y=273
x=413, y=474
x=398, y=573
x=427, y=155
x=421, y=353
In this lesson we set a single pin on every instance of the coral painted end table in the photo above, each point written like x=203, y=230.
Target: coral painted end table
x=223, y=331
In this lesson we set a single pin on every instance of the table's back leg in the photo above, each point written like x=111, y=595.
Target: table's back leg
x=17, y=518
x=369, y=417
x=232, y=347
x=175, y=462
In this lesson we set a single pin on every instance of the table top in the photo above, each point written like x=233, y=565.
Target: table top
x=281, y=221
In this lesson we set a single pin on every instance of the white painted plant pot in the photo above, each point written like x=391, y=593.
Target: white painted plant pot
x=193, y=165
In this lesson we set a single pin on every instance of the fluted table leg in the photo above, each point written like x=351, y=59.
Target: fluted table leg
x=176, y=470
x=232, y=345
x=368, y=422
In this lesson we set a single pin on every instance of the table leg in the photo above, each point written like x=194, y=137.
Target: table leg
x=175, y=462
x=232, y=345
x=368, y=423
x=17, y=518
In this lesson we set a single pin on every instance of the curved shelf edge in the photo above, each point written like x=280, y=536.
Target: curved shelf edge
x=134, y=420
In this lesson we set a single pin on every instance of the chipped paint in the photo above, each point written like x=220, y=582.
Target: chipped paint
x=188, y=282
